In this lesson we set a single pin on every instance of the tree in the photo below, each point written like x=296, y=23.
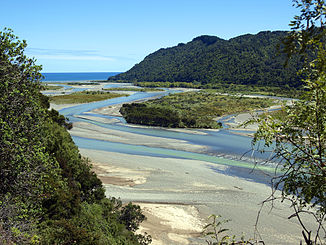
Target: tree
x=300, y=137
x=25, y=168
x=48, y=192
x=131, y=216
x=216, y=234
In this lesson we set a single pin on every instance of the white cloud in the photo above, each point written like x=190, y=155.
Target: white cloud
x=73, y=57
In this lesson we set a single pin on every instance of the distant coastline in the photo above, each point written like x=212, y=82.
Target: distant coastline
x=76, y=76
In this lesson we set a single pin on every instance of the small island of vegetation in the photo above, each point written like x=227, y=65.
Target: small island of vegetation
x=190, y=109
x=51, y=87
x=135, y=89
x=84, y=97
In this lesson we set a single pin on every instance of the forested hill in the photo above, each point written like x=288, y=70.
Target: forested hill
x=246, y=59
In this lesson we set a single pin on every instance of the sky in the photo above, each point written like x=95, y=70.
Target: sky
x=114, y=35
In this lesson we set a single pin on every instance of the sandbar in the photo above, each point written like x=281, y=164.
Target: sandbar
x=172, y=190
x=91, y=131
x=177, y=195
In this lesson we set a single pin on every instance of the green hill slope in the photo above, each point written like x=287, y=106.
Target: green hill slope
x=48, y=192
x=247, y=59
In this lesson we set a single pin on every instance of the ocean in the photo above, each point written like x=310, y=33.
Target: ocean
x=77, y=76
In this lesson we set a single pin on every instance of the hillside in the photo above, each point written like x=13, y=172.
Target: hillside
x=48, y=191
x=208, y=60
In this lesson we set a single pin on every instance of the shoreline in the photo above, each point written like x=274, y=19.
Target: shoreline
x=91, y=131
x=180, y=186
x=170, y=190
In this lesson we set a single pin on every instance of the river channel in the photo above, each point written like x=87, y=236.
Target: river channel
x=178, y=176
x=222, y=147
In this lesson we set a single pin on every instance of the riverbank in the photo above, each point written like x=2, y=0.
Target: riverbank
x=177, y=195
x=91, y=131
x=237, y=123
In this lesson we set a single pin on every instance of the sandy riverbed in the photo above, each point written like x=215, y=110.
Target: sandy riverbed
x=177, y=195
x=240, y=119
x=91, y=131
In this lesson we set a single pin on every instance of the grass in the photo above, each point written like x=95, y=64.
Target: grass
x=277, y=114
x=49, y=87
x=240, y=89
x=83, y=83
x=190, y=109
x=83, y=97
x=211, y=104
x=229, y=88
x=135, y=89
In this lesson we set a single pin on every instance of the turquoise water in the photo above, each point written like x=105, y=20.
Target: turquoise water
x=223, y=147
x=160, y=152
x=219, y=142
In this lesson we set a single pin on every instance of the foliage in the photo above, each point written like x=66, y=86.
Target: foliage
x=300, y=136
x=244, y=60
x=51, y=87
x=85, y=83
x=95, y=224
x=84, y=97
x=134, y=89
x=278, y=114
x=131, y=216
x=26, y=170
x=48, y=193
x=215, y=234
x=189, y=110
x=59, y=119
x=230, y=88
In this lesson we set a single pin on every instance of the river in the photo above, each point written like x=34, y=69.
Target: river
x=175, y=184
x=223, y=147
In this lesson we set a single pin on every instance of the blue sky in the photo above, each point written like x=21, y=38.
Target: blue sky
x=105, y=35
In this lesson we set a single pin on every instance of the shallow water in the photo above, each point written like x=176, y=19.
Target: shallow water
x=223, y=146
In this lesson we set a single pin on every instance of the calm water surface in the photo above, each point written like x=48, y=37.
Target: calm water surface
x=77, y=76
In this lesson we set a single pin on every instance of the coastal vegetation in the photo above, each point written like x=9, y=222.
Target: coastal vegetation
x=278, y=114
x=50, y=195
x=190, y=109
x=230, y=88
x=48, y=192
x=84, y=97
x=211, y=62
x=51, y=87
x=299, y=135
x=85, y=83
x=135, y=89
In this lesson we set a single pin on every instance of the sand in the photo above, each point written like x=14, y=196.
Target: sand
x=177, y=195
x=88, y=130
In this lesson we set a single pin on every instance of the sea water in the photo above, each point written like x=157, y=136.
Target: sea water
x=77, y=76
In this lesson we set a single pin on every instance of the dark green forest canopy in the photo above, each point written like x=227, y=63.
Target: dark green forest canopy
x=246, y=60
